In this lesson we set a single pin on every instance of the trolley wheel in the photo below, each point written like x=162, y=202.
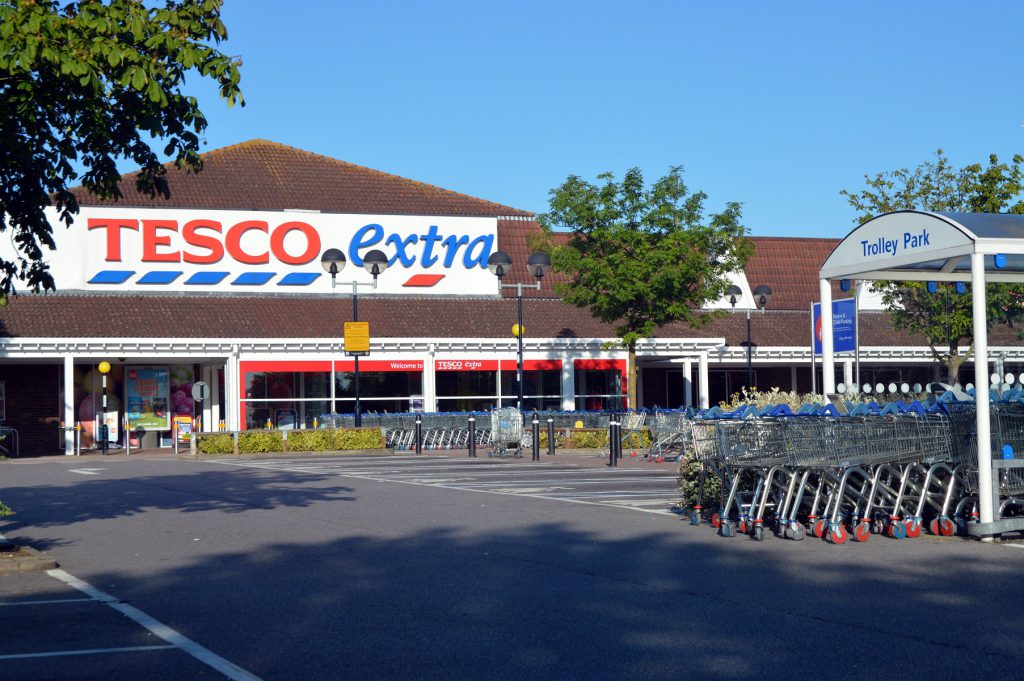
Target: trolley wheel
x=743, y=526
x=878, y=526
x=913, y=528
x=716, y=520
x=820, y=528
x=799, y=532
x=725, y=530
x=757, y=534
x=837, y=535
x=695, y=517
x=946, y=527
x=897, y=530
x=961, y=525
x=862, y=532
x=788, y=532
x=659, y=459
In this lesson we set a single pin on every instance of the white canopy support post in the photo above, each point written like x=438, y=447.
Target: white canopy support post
x=688, y=382
x=70, y=434
x=981, y=382
x=702, y=380
x=828, y=370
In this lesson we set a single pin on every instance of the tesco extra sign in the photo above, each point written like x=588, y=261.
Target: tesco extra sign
x=190, y=250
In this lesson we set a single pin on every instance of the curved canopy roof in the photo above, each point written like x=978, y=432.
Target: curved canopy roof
x=933, y=246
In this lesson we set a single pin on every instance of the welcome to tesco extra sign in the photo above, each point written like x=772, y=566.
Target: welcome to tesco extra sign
x=138, y=249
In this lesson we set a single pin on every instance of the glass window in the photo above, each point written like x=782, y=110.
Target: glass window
x=466, y=383
x=598, y=389
x=378, y=384
x=535, y=382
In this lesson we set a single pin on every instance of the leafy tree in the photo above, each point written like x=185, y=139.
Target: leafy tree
x=642, y=257
x=85, y=84
x=944, y=317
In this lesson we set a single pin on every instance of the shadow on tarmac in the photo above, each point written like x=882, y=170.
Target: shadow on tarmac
x=612, y=596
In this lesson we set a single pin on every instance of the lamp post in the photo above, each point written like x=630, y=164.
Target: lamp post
x=762, y=294
x=104, y=368
x=374, y=262
x=499, y=263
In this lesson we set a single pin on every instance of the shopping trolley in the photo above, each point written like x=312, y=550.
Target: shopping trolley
x=506, y=432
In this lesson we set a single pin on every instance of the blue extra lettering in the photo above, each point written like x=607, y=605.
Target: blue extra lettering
x=451, y=245
x=429, y=239
x=367, y=236
x=400, y=245
x=485, y=243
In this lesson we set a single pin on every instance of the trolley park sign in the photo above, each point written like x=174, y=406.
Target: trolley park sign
x=141, y=249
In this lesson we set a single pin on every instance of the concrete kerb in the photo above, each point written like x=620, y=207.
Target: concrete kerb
x=14, y=558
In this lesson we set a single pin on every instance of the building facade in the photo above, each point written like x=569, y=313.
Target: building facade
x=222, y=283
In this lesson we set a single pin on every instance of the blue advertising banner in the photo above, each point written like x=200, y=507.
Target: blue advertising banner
x=148, y=392
x=844, y=330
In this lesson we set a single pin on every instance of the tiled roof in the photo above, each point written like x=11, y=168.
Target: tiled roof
x=790, y=267
x=153, y=316
x=263, y=175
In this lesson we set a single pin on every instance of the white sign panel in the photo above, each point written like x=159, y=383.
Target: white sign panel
x=895, y=240
x=141, y=249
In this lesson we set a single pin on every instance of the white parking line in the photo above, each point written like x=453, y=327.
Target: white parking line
x=228, y=669
x=85, y=651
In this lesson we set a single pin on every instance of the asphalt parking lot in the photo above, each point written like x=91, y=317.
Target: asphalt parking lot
x=440, y=567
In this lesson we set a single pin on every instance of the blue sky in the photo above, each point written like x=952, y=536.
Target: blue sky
x=777, y=105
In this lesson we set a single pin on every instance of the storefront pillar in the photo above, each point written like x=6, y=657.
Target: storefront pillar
x=688, y=382
x=848, y=377
x=232, y=399
x=69, y=406
x=429, y=381
x=703, y=381
x=568, y=383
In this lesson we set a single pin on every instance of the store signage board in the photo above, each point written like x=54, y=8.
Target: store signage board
x=357, y=339
x=148, y=391
x=138, y=250
x=844, y=328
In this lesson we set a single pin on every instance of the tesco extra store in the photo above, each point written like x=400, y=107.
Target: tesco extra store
x=222, y=283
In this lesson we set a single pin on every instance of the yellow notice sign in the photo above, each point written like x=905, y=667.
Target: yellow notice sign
x=357, y=338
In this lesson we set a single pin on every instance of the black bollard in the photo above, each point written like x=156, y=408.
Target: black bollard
x=472, y=437
x=551, y=437
x=536, y=437
x=419, y=436
x=612, y=436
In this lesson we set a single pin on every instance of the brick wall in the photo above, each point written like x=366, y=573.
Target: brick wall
x=33, y=406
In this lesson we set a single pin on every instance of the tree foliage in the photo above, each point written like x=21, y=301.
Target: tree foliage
x=642, y=257
x=85, y=84
x=944, y=316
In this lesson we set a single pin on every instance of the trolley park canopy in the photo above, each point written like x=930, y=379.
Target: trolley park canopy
x=932, y=246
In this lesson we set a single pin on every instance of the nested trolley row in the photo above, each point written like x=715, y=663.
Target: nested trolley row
x=851, y=476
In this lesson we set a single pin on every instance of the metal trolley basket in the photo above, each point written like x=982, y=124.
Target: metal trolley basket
x=506, y=432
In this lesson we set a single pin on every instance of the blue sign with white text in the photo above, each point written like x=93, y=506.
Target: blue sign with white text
x=844, y=329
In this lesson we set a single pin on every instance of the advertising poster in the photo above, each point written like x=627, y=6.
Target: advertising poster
x=844, y=331
x=148, y=393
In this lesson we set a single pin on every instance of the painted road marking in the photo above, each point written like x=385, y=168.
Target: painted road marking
x=86, y=471
x=649, y=492
x=208, y=657
x=84, y=651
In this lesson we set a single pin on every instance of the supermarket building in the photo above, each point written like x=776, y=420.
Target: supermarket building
x=222, y=284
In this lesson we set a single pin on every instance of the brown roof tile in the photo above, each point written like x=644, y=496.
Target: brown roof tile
x=263, y=175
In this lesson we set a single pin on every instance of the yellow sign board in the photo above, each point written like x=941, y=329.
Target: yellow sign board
x=357, y=338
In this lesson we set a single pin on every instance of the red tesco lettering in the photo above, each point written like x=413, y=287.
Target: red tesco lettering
x=206, y=242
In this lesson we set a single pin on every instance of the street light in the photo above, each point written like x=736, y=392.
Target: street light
x=762, y=294
x=499, y=263
x=374, y=262
x=104, y=368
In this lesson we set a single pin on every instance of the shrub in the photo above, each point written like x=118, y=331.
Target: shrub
x=260, y=441
x=334, y=440
x=689, y=483
x=215, y=443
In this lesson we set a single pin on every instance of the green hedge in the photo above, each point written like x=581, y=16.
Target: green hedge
x=273, y=441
